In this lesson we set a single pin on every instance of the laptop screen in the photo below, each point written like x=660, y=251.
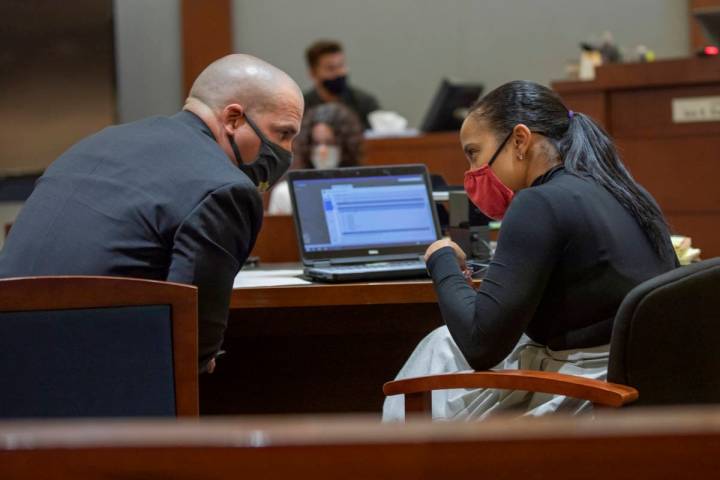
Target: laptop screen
x=364, y=211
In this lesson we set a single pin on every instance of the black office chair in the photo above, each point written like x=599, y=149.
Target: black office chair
x=97, y=347
x=664, y=350
x=666, y=337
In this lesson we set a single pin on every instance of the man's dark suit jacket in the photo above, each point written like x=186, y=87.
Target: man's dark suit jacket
x=156, y=199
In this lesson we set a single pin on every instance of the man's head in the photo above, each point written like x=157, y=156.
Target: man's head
x=236, y=86
x=326, y=65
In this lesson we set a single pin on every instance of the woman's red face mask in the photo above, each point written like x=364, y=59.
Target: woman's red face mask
x=486, y=190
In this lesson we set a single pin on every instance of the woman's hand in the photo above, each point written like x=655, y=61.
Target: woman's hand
x=459, y=256
x=446, y=242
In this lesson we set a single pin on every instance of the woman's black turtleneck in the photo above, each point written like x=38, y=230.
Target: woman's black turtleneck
x=567, y=255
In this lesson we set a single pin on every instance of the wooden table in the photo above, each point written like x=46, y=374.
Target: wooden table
x=334, y=295
x=318, y=347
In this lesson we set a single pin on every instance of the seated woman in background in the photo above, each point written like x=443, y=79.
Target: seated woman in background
x=331, y=136
x=578, y=234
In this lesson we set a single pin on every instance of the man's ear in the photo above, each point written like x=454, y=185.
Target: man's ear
x=233, y=116
x=521, y=140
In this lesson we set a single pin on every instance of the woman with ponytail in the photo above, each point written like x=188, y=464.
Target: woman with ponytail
x=578, y=234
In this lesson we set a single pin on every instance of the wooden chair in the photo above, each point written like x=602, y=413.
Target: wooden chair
x=663, y=347
x=97, y=347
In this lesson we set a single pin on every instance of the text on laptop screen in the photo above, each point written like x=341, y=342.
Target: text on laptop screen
x=364, y=212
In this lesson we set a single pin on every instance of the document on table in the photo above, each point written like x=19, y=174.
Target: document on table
x=268, y=278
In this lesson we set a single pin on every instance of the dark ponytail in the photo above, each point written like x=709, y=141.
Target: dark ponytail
x=584, y=147
x=587, y=150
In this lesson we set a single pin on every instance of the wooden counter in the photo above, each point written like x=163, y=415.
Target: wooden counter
x=679, y=163
x=441, y=152
x=626, y=445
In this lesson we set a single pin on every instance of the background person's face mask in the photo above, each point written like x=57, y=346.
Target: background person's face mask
x=325, y=156
x=336, y=85
x=486, y=190
x=271, y=163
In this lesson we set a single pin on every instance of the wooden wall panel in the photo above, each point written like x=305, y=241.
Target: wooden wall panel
x=593, y=104
x=682, y=173
x=647, y=112
x=701, y=227
x=206, y=35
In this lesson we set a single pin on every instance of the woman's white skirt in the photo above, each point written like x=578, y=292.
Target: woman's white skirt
x=438, y=353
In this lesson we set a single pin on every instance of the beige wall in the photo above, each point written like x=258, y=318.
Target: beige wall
x=400, y=49
x=148, y=58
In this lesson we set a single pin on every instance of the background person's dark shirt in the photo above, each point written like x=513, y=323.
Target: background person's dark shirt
x=155, y=199
x=359, y=101
x=567, y=255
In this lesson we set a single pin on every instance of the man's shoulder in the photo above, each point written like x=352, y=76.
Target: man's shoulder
x=233, y=207
x=362, y=95
x=362, y=102
x=237, y=191
x=136, y=136
x=147, y=126
x=232, y=190
x=171, y=144
x=160, y=156
x=240, y=184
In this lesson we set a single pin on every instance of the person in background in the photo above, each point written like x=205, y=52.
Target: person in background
x=168, y=198
x=578, y=234
x=329, y=73
x=331, y=136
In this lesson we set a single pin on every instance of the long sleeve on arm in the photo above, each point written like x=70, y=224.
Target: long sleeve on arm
x=209, y=248
x=487, y=325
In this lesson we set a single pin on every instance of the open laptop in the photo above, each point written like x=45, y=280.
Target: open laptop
x=363, y=223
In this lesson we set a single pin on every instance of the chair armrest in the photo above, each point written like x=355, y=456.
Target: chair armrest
x=596, y=391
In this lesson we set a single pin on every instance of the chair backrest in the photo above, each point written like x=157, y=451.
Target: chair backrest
x=666, y=337
x=97, y=347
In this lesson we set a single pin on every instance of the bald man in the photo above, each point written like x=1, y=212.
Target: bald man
x=167, y=198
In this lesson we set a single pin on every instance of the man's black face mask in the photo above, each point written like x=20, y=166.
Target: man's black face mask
x=336, y=85
x=271, y=163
